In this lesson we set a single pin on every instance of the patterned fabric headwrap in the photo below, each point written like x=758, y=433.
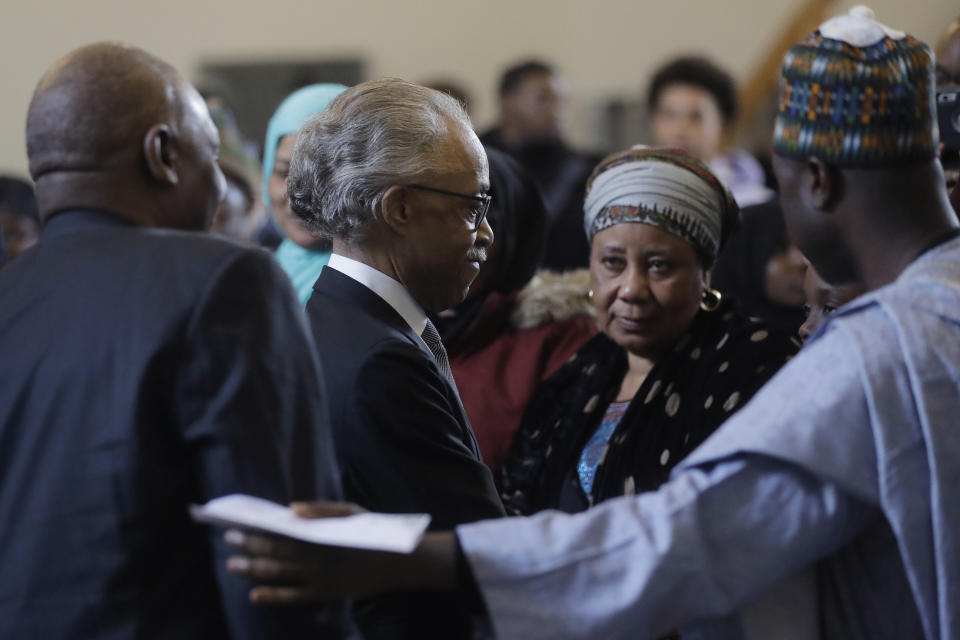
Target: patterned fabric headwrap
x=859, y=94
x=665, y=188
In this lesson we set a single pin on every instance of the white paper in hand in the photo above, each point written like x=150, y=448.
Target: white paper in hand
x=399, y=533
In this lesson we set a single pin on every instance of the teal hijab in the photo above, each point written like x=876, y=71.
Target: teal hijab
x=302, y=265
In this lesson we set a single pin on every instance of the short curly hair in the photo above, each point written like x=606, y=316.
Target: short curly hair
x=699, y=72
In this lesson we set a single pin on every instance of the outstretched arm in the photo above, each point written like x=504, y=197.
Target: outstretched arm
x=706, y=543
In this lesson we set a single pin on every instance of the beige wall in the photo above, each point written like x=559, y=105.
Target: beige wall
x=606, y=47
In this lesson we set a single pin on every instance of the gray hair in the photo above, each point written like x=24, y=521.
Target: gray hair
x=372, y=136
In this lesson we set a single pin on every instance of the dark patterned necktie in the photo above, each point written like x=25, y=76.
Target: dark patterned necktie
x=432, y=340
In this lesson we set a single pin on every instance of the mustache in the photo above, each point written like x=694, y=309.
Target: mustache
x=480, y=255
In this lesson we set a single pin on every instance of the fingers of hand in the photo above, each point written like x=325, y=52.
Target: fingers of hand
x=263, y=545
x=268, y=569
x=322, y=509
x=282, y=595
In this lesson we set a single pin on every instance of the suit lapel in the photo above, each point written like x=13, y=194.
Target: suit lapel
x=336, y=285
x=342, y=287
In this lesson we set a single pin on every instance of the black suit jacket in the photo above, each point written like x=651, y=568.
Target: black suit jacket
x=140, y=371
x=404, y=444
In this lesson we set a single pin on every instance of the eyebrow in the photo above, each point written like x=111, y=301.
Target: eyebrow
x=656, y=251
x=613, y=248
x=649, y=253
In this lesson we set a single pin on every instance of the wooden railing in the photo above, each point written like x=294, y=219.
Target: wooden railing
x=761, y=88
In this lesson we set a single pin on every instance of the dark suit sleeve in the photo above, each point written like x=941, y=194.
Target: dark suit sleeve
x=410, y=428
x=254, y=417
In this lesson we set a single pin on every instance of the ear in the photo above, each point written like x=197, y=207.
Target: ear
x=394, y=209
x=822, y=183
x=160, y=154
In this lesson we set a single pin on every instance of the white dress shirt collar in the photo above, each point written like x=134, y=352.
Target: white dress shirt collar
x=394, y=293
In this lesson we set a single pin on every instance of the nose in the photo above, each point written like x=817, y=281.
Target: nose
x=634, y=285
x=808, y=326
x=675, y=130
x=484, y=234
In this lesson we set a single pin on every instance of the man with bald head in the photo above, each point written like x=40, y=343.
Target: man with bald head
x=145, y=367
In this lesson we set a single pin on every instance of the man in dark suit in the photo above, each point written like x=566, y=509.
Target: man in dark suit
x=144, y=368
x=395, y=175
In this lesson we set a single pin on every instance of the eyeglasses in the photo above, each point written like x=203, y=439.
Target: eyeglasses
x=479, y=212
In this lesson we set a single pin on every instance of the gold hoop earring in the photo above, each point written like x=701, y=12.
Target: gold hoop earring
x=710, y=299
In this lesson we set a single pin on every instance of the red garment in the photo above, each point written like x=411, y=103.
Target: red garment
x=497, y=378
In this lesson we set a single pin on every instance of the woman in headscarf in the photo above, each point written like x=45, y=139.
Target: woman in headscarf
x=672, y=361
x=514, y=329
x=762, y=270
x=301, y=254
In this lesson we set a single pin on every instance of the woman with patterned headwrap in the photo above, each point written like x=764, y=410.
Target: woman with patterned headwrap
x=672, y=361
x=301, y=254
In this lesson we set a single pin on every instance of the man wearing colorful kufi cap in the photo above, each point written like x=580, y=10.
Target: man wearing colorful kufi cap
x=827, y=507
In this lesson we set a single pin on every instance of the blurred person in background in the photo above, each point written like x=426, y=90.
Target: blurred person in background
x=762, y=271
x=302, y=254
x=19, y=218
x=241, y=214
x=533, y=103
x=514, y=329
x=693, y=106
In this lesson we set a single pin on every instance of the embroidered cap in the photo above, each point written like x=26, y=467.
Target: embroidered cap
x=857, y=93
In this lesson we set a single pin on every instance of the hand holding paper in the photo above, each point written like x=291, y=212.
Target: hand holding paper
x=378, y=531
x=302, y=572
